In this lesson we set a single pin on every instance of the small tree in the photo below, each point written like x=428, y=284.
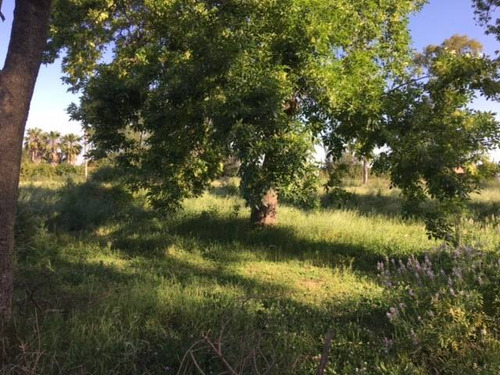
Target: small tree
x=434, y=139
x=71, y=148
x=35, y=144
x=53, y=150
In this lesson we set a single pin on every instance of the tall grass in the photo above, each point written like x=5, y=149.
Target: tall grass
x=106, y=286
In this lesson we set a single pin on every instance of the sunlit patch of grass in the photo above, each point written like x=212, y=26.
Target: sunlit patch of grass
x=310, y=284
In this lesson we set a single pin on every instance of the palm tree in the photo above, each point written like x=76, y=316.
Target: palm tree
x=71, y=147
x=35, y=144
x=53, y=149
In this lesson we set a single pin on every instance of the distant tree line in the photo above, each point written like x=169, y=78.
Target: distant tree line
x=51, y=147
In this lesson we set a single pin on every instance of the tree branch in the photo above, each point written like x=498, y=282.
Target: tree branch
x=413, y=80
x=326, y=351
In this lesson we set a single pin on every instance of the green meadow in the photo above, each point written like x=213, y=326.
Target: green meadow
x=105, y=285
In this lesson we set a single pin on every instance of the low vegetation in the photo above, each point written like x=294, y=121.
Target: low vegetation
x=106, y=286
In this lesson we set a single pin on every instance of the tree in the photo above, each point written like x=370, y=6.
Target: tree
x=17, y=80
x=485, y=11
x=53, y=154
x=434, y=138
x=34, y=144
x=70, y=147
x=256, y=79
x=459, y=44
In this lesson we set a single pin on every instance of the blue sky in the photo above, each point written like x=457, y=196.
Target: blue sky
x=438, y=20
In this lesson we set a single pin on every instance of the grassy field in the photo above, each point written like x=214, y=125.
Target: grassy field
x=106, y=286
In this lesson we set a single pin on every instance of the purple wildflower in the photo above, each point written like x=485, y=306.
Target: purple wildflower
x=387, y=344
x=414, y=338
x=427, y=260
x=392, y=313
x=457, y=272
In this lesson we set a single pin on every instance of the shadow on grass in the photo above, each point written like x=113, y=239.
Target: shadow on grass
x=103, y=318
x=391, y=206
x=141, y=317
x=96, y=317
x=274, y=243
x=82, y=208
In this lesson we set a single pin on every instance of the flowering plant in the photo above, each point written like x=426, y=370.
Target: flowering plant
x=446, y=310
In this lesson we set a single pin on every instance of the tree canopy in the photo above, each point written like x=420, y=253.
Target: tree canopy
x=434, y=140
x=487, y=14
x=174, y=87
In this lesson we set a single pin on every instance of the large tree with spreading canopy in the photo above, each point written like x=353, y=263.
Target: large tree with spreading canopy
x=174, y=87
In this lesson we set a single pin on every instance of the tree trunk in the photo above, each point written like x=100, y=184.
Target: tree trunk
x=365, y=171
x=85, y=159
x=265, y=213
x=54, y=159
x=17, y=82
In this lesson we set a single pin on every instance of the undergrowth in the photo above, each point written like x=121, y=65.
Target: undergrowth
x=106, y=286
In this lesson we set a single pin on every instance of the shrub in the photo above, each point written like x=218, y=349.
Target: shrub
x=106, y=171
x=89, y=205
x=447, y=311
x=32, y=171
x=489, y=169
x=231, y=167
x=28, y=225
x=66, y=169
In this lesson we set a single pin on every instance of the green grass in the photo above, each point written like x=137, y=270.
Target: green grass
x=106, y=286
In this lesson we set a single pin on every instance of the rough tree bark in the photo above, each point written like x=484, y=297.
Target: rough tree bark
x=17, y=82
x=265, y=213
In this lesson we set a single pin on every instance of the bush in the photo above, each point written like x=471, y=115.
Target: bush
x=489, y=169
x=32, y=171
x=231, y=167
x=89, y=205
x=29, y=225
x=106, y=171
x=66, y=170
x=447, y=311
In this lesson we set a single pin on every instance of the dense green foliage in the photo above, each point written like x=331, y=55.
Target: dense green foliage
x=259, y=80
x=31, y=170
x=434, y=140
x=263, y=81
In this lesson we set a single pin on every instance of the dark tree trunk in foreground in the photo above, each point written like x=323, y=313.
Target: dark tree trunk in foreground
x=265, y=213
x=17, y=82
